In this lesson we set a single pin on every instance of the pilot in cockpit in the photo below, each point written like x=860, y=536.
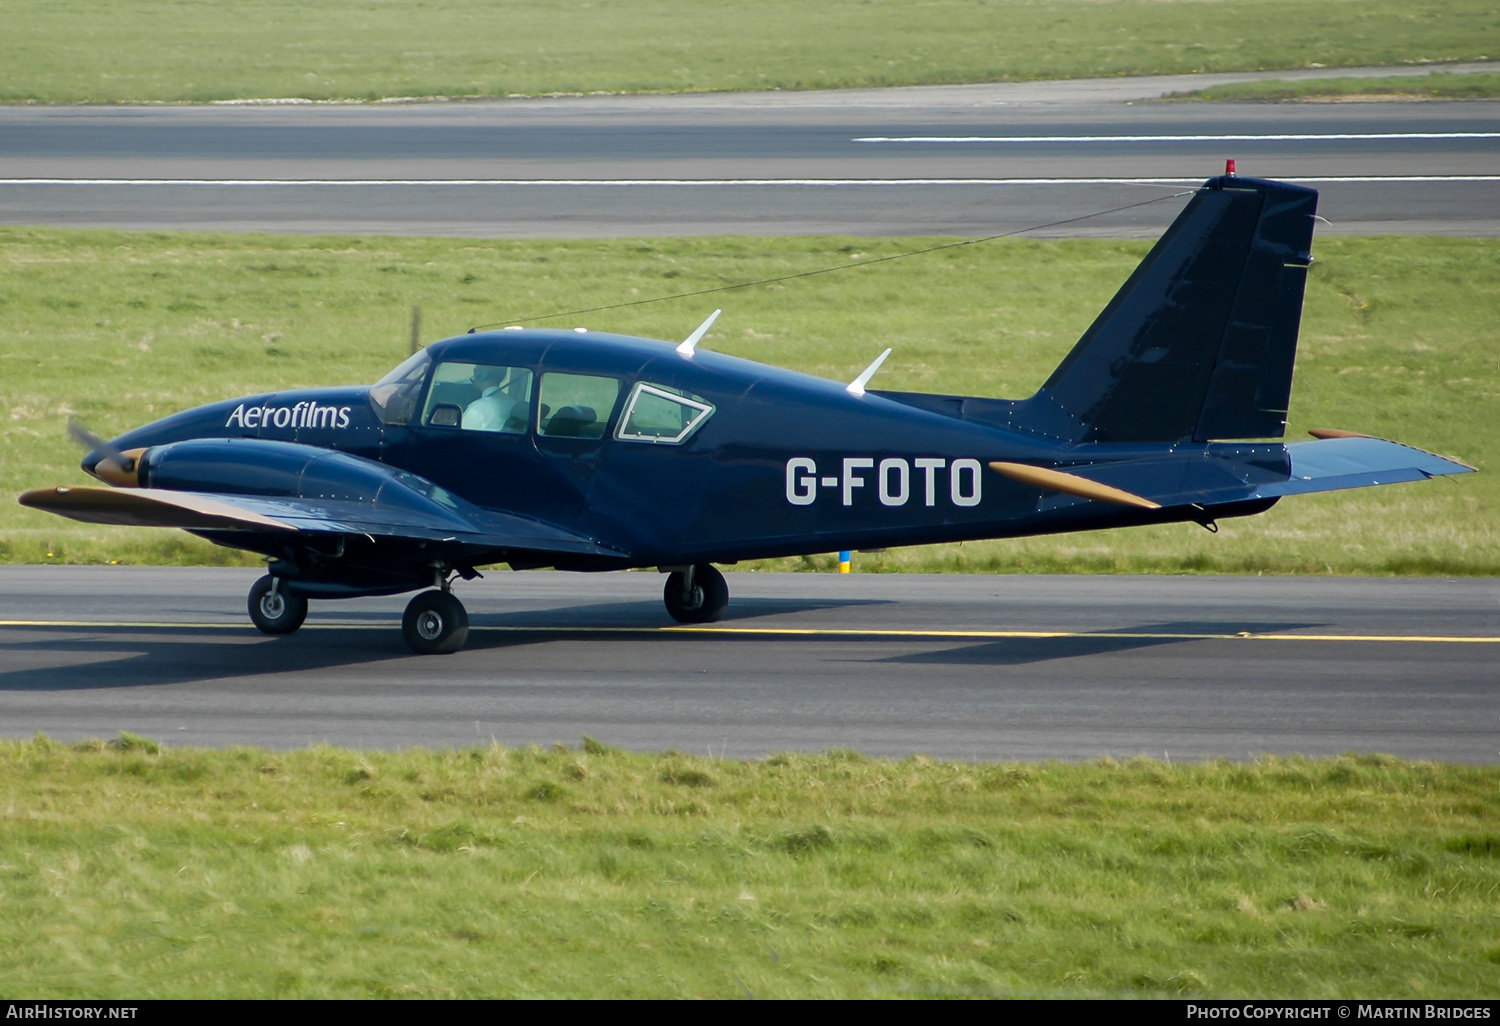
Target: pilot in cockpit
x=493, y=407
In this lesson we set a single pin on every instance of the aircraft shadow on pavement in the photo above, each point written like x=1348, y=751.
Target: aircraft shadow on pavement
x=144, y=657
x=105, y=657
x=636, y=613
x=1019, y=651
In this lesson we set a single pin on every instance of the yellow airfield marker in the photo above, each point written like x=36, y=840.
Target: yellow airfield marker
x=815, y=632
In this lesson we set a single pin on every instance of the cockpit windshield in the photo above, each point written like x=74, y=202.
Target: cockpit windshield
x=395, y=396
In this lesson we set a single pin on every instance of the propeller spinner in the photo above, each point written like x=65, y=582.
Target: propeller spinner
x=104, y=461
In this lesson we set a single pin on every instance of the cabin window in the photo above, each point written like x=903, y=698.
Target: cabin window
x=479, y=397
x=394, y=397
x=576, y=405
x=661, y=414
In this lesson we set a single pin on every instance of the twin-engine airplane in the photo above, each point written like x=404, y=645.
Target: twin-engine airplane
x=589, y=451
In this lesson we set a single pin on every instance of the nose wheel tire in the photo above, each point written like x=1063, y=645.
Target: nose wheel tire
x=700, y=597
x=276, y=610
x=435, y=623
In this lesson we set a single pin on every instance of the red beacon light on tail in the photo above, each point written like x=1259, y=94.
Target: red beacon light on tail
x=1229, y=166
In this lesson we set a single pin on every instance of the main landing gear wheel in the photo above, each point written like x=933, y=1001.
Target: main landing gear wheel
x=698, y=595
x=274, y=609
x=435, y=622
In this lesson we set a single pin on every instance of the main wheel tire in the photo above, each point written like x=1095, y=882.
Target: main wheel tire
x=435, y=623
x=704, y=603
x=276, y=612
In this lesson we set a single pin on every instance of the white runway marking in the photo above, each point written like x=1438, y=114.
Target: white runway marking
x=1288, y=137
x=702, y=182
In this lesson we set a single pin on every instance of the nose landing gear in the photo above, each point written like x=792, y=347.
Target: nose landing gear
x=435, y=623
x=698, y=594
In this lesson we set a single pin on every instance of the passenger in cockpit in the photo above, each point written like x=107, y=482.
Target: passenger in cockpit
x=492, y=407
x=490, y=411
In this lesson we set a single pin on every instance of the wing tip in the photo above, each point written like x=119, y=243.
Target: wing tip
x=1325, y=434
x=88, y=503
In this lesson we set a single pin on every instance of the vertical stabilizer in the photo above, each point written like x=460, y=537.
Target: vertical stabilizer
x=1199, y=342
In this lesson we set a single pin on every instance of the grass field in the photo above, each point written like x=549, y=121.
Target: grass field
x=133, y=872
x=1477, y=86
x=121, y=328
x=110, y=52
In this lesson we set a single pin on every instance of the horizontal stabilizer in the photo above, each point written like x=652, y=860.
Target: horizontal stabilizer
x=1235, y=475
x=1358, y=462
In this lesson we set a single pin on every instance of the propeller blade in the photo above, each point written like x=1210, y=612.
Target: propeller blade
x=116, y=467
x=92, y=442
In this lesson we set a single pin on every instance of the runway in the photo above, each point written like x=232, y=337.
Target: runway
x=957, y=666
x=959, y=160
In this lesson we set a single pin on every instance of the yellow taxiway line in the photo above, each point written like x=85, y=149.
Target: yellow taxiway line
x=817, y=632
x=1239, y=636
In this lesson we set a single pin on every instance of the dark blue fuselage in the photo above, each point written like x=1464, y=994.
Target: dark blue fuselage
x=787, y=464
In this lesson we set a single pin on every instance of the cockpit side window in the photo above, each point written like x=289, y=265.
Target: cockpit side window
x=394, y=397
x=662, y=414
x=480, y=397
x=576, y=405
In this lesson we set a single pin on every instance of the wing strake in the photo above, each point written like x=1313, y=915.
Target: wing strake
x=1070, y=484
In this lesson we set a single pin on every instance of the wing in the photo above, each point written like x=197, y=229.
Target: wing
x=200, y=511
x=1227, y=476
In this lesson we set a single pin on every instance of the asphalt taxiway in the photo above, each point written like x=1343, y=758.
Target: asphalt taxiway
x=963, y=160
x=957, y=666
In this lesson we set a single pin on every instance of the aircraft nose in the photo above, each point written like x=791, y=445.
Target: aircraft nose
x=124, y=472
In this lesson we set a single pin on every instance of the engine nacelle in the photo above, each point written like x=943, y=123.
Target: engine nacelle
x=253, y=466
